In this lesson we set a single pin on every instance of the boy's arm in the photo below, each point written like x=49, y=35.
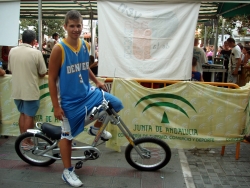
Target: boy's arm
x=54, y=67
x=97, y=82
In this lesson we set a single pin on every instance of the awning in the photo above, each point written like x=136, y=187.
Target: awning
x=57, y=9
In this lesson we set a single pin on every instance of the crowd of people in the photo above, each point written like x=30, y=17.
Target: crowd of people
x=235, y=57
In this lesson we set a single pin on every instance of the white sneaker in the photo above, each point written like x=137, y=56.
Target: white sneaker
x=71, y=178
x=105, y=135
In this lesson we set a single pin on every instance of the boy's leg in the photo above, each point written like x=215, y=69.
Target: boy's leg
x=93, y=130
x=98, y=124
x=65, y=143
x=68, y=174
x=65, y=150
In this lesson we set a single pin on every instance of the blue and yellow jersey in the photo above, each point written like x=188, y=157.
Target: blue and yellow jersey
x=74, y=74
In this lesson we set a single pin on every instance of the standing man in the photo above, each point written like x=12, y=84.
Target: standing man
x=200, y=55
x=27, y=66
x=226, y=52
x=234, y=61
x=69, y=76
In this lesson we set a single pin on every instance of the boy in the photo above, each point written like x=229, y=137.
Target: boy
x=69, y=76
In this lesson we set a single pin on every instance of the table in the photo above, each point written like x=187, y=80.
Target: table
x=213, y=71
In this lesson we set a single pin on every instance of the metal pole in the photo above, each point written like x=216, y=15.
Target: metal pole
x=92, y=52
x=222, y=32
x=93, y=39
x=40, y=24
x=216, y=38
x=205, y=37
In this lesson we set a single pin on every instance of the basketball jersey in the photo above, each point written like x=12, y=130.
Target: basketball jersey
x=74, y=74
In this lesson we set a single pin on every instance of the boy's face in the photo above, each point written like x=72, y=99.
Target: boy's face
x=73, y=28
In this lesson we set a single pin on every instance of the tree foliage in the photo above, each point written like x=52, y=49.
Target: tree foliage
x=49, y=26
x=245, y=19
x=228, y=27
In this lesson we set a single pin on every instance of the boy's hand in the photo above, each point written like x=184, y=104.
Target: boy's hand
x=101, y=85
x=59, y=113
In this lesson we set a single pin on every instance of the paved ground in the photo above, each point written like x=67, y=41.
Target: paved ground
x=209, y=169
x=187, y=168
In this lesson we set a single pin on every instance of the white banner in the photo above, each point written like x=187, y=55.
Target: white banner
x=146, y=40
x=9, y=19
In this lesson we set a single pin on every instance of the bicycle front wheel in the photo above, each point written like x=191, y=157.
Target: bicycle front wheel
x=29, y=153
x=156, y=154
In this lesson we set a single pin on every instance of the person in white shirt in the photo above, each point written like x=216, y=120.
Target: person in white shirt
x=234, y=61
x=27, y=67
x=200, y=55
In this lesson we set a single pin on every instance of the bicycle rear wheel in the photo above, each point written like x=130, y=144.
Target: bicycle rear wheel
x=29, y=153
x=156, y=154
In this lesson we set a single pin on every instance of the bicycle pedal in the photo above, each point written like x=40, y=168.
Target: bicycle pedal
x=78, y=165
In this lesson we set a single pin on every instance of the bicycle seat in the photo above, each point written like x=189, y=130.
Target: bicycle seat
x=51, y=131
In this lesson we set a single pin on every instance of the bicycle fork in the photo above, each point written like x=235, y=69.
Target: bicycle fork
x=115, y=119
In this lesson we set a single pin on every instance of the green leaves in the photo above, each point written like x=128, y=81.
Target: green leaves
x=48, y=26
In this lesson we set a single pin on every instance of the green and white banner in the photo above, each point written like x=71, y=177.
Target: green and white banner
x=185, y=114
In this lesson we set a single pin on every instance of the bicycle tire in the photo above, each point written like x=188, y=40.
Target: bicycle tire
x=151, y=147
x=28, y=155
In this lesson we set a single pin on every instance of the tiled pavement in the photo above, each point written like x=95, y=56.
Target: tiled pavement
x=210, y=169
x=111, y=170
x=206, y=168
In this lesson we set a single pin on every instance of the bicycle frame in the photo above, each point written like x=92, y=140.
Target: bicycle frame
x=104, y=110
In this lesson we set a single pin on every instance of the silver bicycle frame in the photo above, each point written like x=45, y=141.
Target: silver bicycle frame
x=110, y=116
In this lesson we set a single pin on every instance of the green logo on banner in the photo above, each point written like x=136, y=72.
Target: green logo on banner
x=45, y=94
x=166, y=104
x=44, y=86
